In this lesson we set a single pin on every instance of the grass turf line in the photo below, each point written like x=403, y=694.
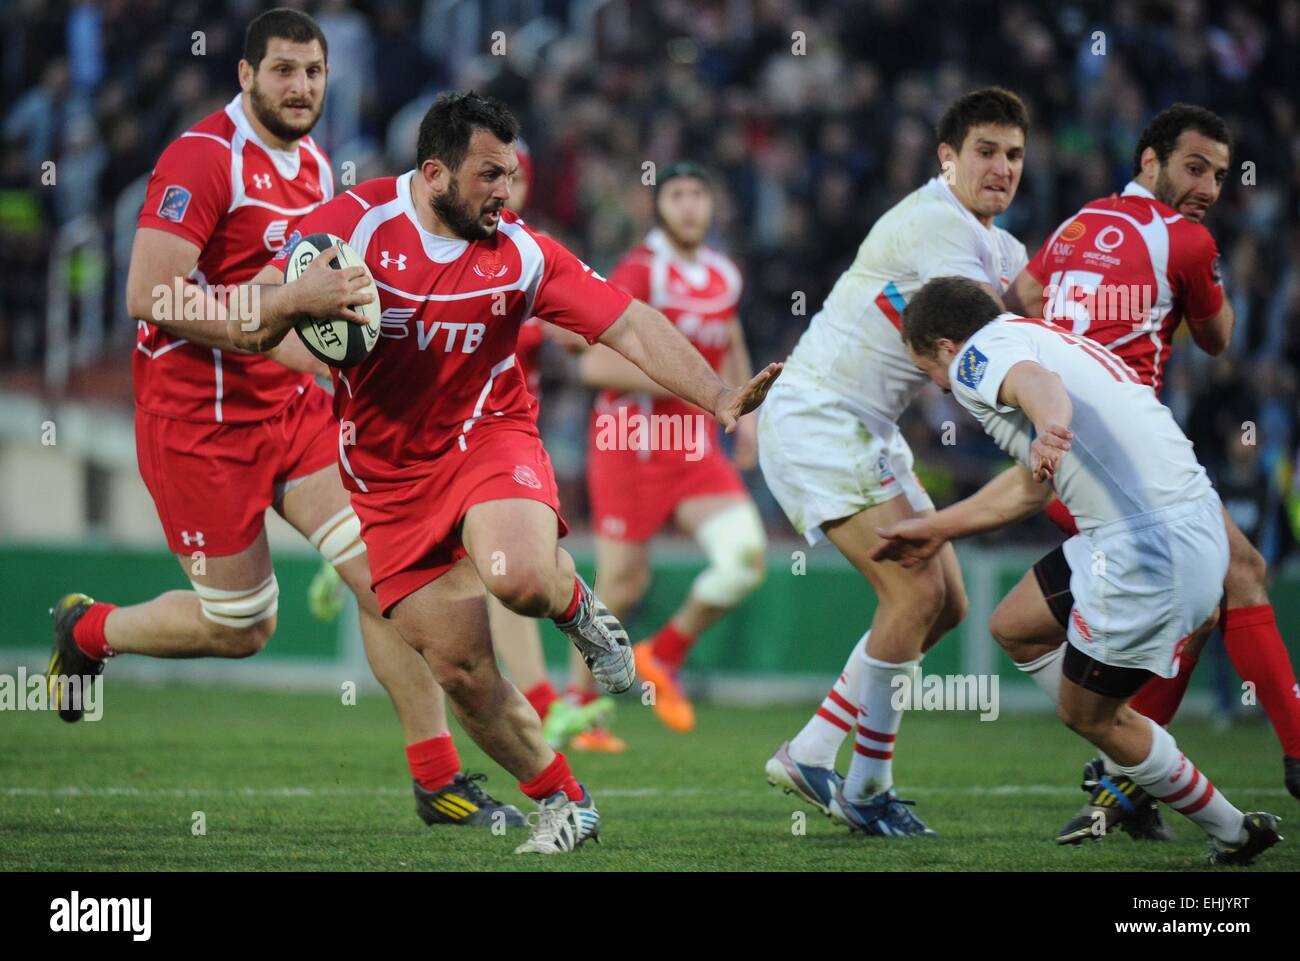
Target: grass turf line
x=293, y=781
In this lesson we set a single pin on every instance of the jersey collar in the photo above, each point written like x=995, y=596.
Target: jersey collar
x=439, y=249
x=286, y=162
x=940, y=185
x=1135, y=189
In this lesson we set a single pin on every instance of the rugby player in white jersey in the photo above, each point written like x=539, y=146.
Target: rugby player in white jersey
x=834, y=458
x=1147, y=566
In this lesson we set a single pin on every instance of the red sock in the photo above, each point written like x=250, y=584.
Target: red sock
x=433, y=762
x=1159, y=697
x=556, y=777
x=571, y=611
x=671, y=645
x=1258, y=653
x=580, y=697
x=541, y=696
x=88, y=632
x=1060, y=515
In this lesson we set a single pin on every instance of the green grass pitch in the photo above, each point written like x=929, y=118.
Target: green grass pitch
x=290, y=781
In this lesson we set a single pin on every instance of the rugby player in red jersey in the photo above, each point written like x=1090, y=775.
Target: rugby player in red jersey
x=1125, y=271
x=223, y=434
x=673, y=467
x=517, y=638
x=447, y=472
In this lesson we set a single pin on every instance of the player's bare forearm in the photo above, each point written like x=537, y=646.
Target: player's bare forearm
x=1007, y=498
x=650, y=341
x=605, y=368
x=293, y=353
x=1214, y=334
x=159, y=292
x=1025, y=295
x=266, y=331
x=1038, y=392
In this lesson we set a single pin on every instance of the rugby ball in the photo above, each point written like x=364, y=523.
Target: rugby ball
x=335, y=341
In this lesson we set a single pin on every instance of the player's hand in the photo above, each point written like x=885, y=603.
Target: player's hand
x=1047, y=450
x=735, y=402
x=745, y=453
x=909, y=542
x=322, y=291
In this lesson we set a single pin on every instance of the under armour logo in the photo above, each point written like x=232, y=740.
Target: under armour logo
x=399, y=261
x=262, y=181
x=196, y=538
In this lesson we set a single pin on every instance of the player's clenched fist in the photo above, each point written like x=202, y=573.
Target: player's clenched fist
x=909, y=542
x=1046, y=451
x=735, y=402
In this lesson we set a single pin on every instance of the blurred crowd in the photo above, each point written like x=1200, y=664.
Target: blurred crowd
x=814, y=116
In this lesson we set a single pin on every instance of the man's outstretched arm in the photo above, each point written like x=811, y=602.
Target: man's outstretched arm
x=648, y=339
x=1008, y=497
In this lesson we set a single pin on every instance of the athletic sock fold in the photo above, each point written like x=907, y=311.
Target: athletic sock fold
x=434, y=762
x=670, y=645
x=570, y=613
x=88, y=632
x=1045, y=671
x=556, y=776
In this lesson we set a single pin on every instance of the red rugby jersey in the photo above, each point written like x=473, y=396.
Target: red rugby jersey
x=1124, y=271
x=445, y=368
x=700, y=297
x=529, y=353
x=221, y=187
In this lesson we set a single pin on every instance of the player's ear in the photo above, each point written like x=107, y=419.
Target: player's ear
x=948, y=164
x=1150, y=161
x=246, y=74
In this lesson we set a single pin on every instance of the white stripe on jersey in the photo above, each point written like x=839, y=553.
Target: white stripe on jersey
x=211, y=136
x=216, y=360
x=343, y=459
x=663, y=258
x=326, y=174
x=497, y=370
x=155, y=354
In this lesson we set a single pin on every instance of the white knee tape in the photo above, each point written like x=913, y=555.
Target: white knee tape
x=734, y=542
x=339, y=538
x=241, y=608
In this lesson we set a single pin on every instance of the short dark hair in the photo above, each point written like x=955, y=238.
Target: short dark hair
x=995, y=105
x=951, y=307
x=283, y=24
x=1168, y=125
x=449, y=124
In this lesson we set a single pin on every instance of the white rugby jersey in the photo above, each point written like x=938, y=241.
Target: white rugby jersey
x=853, y=345
x=1128, y=455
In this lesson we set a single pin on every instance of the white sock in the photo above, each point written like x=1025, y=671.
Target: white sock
x=820, y=740
x=1169, y=776
x=1045, y=671
x=872, y=769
